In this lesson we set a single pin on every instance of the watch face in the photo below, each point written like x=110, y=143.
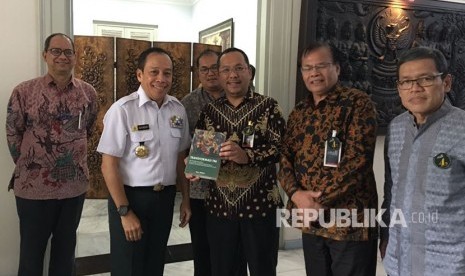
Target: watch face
x=123, y=210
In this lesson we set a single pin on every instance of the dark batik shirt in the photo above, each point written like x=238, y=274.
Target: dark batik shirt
x=47, y=132
x=352, y=184
x=246, y=191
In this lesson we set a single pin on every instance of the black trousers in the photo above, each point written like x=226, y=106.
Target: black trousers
x=199, y=239
x=327, y=257
x=40, y=219
x=255, y=240
x=198, y=230
x=145, y=257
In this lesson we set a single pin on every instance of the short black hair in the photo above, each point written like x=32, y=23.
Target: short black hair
x=232, y=49
x=207, y=52
x=252, y=70
x=424, y=53
x=320, y=44
x=143, y=56
x=49, y=38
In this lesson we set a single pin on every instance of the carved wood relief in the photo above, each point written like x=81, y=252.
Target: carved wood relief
x=96, y=63
x=127, y=53
x=369, y=36
x=95, y=66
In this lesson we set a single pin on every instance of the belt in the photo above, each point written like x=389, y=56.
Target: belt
x=156, y=188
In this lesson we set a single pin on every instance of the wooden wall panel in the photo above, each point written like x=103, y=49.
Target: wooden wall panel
x=198, y=48
x=95, y=66
x=127, y=53
x=181, y=54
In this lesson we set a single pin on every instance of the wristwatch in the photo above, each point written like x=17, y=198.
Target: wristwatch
x=123, y=210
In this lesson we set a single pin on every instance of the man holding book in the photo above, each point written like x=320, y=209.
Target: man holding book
x=241, y=204
x=209, y=90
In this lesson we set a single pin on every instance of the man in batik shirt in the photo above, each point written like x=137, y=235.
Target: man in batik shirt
x=327, y=167
x=241, y=204
x=48, y=122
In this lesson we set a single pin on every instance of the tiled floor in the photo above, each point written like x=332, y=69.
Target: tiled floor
x=93, y=238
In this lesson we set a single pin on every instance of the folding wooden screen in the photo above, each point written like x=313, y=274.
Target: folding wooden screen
x=110, y=64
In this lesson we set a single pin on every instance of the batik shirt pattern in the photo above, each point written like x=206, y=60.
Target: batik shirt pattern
x=47, y=132
x=351, y=185
x=246, y=191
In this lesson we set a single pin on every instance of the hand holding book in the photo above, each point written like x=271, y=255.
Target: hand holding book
x=204, y=155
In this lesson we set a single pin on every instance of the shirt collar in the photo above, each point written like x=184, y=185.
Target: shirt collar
x=143, y=98
x=249, y=96
x=445, y=108
x=50, y=81
x=208, y=95
x=332, y=95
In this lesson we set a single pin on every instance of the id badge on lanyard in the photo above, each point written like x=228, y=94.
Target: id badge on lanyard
x=333, y=149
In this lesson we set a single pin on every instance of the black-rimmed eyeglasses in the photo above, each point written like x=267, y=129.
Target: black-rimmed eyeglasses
x=205, y=70
x=423, y=82
x=57, y=52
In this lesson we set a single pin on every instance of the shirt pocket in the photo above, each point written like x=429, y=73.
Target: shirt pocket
x=138, y=137
x=446, y=177
x=176, y=132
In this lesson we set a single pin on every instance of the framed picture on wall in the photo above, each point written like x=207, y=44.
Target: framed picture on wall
x=221, y=34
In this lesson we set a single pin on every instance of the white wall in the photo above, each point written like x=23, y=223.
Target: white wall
x=178, y=22
x=19, y=57
x=174, y=21
x=207, y=13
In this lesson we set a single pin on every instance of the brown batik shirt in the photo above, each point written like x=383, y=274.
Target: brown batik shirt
x=250, y=190
x=351, y=185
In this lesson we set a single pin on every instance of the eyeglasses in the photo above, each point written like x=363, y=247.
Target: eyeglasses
x=317, y=67
x=57, y=52
x=423, y=82
x=238, y=69
x=205, y=70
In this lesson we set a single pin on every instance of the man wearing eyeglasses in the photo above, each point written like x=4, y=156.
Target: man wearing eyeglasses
x=241, y=204
x=327, y=168
x=48, y=123
x=209, y=90
x=424, y=172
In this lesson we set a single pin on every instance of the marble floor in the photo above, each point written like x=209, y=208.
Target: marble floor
x=93, y=239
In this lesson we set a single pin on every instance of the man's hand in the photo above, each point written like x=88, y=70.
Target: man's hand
x=185, y=213
x=233, y=152
x=191, y=177
x=382, y=248
x=132, y=227
x=307, y=200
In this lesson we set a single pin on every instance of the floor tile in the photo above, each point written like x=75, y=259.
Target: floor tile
x=93, y=238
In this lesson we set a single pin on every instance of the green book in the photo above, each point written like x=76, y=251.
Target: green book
x=204, y=155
